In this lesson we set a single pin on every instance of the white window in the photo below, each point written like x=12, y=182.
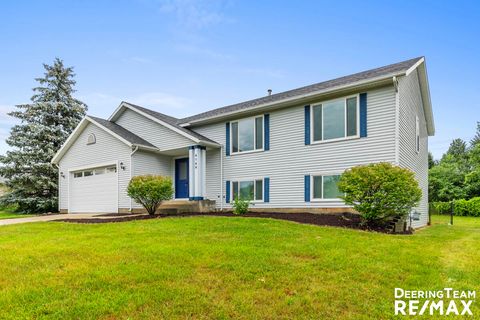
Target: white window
x=78, y=174
x=247, y=134
x=325, y=187
x=91, y=139
x=99, y=171
x=417, y=134
x=88, y=173
x=248, y=189
x=335, y=119
x=111, y=169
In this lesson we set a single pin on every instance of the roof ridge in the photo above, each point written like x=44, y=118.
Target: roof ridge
x=408, y=62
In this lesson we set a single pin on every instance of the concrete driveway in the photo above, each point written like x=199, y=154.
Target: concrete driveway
x=53, y=217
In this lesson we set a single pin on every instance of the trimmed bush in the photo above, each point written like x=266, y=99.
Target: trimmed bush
x=150, y=191
x=240, y=206
x=461, y=207
x=380, y=191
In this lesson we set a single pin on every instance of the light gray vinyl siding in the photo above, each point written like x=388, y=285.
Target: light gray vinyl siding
x=158, y=135
x=144, y=162
x=106, y=149
x=289, y=159
x=410, y=104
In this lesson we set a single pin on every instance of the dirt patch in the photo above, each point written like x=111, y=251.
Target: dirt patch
x=345, y=220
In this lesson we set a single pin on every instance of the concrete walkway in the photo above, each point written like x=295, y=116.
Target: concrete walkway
x=53, y=217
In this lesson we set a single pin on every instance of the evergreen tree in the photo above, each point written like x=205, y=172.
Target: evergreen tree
x=44, y=126
x=431, y=161
x=476, y=138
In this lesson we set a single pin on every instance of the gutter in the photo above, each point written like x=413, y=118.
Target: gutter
x=131, y=166
x=221, y=178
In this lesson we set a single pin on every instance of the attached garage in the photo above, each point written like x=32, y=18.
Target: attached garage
x=94, y=190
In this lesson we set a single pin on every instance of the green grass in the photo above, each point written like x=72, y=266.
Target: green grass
x=9, y=213
x=214, y=267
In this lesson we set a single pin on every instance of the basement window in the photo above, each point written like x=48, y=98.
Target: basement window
x=325, y=187
x=251, y=190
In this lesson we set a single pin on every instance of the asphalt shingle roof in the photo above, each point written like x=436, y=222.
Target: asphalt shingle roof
x=122, y=132
x=171, y=121
x=395, y=68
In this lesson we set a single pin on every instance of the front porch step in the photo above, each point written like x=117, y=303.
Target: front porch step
x=185, y=206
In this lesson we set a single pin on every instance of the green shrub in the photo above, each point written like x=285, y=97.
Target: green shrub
x=150, y=191
x=461, y=207
x=380, y=191
x=240, y=206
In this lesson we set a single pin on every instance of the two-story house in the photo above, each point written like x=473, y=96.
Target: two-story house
x=283, y=151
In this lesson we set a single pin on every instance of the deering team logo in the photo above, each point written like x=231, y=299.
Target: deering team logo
x=442, y=302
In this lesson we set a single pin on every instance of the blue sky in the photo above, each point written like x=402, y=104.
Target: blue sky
x=182, y=57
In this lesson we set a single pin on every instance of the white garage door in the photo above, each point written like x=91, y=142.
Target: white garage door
x=93, y=190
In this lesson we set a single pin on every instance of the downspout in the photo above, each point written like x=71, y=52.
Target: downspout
x=397, y=121
x=58, y=186
x=221, y=178
x=131, y=170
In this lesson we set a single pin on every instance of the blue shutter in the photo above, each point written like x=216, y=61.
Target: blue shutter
x=227, y=142
x=266, y=189
x=307, y=188
x=266, y=129
x=307, y=124
x=227, y=191
x=363, y=115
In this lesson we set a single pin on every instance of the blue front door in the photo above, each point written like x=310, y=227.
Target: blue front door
x=181, y=178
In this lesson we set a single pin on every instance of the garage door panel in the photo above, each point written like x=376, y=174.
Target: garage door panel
x=95, y=193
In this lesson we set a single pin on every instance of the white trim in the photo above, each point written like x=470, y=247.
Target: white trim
x=109, y=131
x=397, y=125
x=417, y=134
x=76, y=132
x=71, y=137
x=222, y=199
x=321, y=104
x=412, y=68
x=94, y=165
x=323, y=174
x=254, y=179
x=254, y=135
x=131, y=171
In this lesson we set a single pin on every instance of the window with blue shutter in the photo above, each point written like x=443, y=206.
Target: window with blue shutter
x=307, y=188
x=227, y=191
x=266, y=128
x=227, y=142
x=363, y=115
x=266, y=187
x=307, y=124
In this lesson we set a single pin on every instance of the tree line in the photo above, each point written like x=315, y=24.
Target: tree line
x=457, y=174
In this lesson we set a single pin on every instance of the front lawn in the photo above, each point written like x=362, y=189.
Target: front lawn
x=9, y=213
x=215, y=267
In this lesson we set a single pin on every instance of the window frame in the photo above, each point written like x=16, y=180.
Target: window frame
x=312, y=187
x=312, y=122
x=254, y=180
x=254, y=135
x=417, y=134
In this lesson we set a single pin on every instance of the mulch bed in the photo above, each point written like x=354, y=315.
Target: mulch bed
x=344, y=220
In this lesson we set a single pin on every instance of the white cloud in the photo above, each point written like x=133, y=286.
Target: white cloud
x=160, y=101
x=195, y=13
